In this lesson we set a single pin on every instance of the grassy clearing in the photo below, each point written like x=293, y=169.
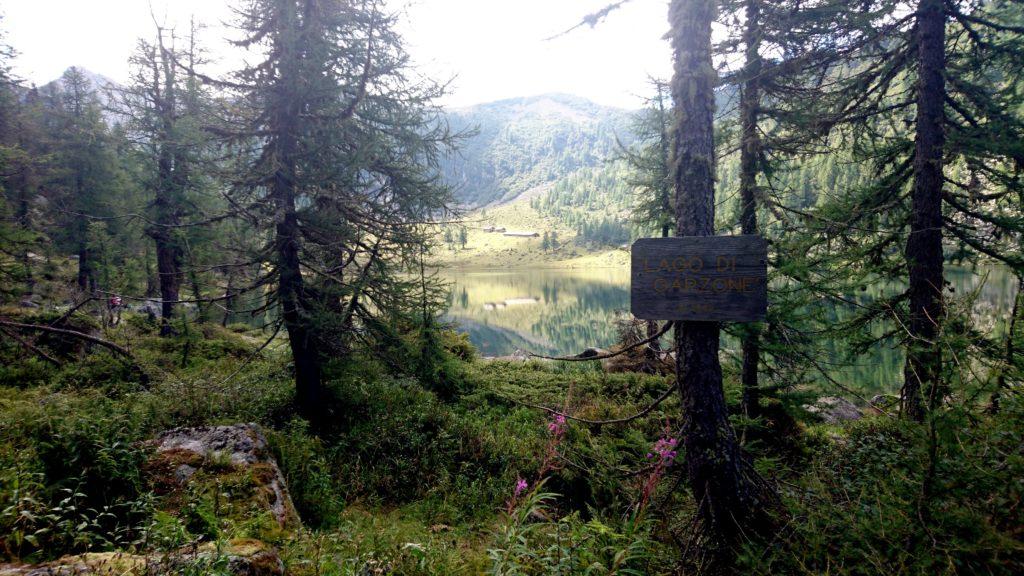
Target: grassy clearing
x=490, y=250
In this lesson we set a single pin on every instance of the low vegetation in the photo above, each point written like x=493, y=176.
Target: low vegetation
x=407, y=482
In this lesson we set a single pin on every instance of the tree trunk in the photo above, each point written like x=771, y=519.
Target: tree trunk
x=168, y=260
x=86, y=274
x=728, y=502
x=922, y=372
x=25, y=185
x=750, y=151
x=1011, y=349
x=168, y=250
x=291, y=292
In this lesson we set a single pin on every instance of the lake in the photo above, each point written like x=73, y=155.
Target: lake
x=563, y=312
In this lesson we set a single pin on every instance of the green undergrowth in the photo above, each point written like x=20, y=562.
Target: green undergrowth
x=405, y=481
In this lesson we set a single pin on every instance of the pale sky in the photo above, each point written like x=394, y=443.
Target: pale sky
x=493, y=48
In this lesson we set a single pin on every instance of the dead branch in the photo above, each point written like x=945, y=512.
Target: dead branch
x=629, y=348
x=625, y=420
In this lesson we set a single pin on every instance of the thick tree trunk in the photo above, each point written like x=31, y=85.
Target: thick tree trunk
x=291, y=297
x=291, y=292
x=750, y=151
x=168, y=266
x=168, y=250
x=922, y=373
x=727, y=500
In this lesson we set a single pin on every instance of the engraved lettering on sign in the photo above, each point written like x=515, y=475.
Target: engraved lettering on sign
x=700, y=278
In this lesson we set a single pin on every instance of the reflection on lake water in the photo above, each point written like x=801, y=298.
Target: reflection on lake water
x=543, y=310
x=561, y=312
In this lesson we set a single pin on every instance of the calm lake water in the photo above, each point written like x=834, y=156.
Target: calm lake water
x=561, y=312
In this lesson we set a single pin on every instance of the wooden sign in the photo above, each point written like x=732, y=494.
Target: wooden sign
x=705, y=278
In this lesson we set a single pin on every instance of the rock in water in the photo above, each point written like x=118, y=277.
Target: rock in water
x=217, y=459
x=833, y=410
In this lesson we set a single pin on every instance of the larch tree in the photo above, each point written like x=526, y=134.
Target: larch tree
x=341, y=178
x=930, y=102
x=16, y=182
x=86, y=174
x=165, y=109
x=648, y=162
x=781, y=48
x=730, y=499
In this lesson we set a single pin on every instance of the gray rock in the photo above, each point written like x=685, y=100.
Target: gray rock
x=244, y=558
x=211, y=448
x=833, y=410
x=149, y=307
x=184, y=472
x=520, y=356
x=884, y=401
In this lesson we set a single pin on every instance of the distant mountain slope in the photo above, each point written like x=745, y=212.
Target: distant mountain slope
x=104, y=87
x=528, y=144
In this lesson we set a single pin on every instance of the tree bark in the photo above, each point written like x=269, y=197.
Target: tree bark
x=922, y=372
x=291, y=293
x=728, y=502
x=750, y=152
x=86, y=273
x=168, y=186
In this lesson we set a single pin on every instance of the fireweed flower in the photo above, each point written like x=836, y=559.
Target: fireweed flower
x=557, y=425
x=663, y=453
x=521, y=486
x=556, y=428
x=665, y=450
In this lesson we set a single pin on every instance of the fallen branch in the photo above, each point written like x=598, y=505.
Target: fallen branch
x=625, y=420
x=39, y=352
x=72, y=333
x=579, y=358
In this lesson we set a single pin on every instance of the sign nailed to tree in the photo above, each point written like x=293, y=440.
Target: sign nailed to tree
x=706, y=278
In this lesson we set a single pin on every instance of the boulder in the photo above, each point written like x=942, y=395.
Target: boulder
x=240, y=557
x=884, y=401
x=520, y=356
x=191, y=463
x=833, y=410
x=148, y=307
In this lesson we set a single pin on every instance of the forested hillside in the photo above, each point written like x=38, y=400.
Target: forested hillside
x=524, y=145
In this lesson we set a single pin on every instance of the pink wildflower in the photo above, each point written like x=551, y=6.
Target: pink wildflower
x=557, y=424
x=521, y=486
x=665, y=450
x=664, y=455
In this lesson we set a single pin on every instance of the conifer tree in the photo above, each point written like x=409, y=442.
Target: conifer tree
x=86, y=175
x=648, y=161
x=343, y=179
x=16, y=183
x=730, y=501
x=928, y=93
x=163, y=107
x=780, y=47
